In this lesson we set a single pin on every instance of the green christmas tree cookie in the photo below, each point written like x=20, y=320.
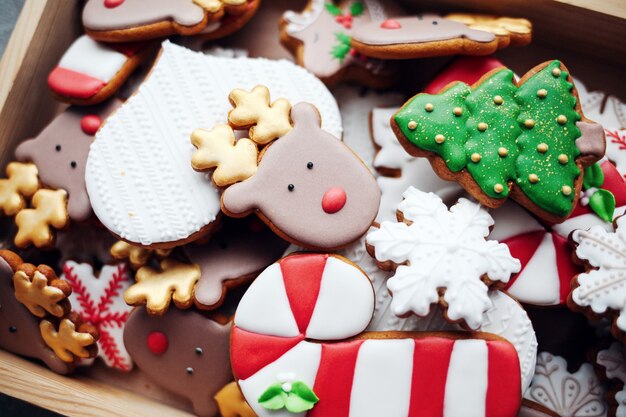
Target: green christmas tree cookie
x=504, y=138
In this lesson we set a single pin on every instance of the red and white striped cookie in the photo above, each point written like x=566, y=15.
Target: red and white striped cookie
x=289, y=352
x=89, y=72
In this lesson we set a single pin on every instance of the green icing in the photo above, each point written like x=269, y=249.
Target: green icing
x=503, y=134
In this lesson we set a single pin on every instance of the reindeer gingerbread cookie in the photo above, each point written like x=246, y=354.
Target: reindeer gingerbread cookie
x=306, y=185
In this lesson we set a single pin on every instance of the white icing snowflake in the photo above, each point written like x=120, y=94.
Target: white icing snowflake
x=436, y=248
x=603, y=287
x=569, y=395
x=613, y=360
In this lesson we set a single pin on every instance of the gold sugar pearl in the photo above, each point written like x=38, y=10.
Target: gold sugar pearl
x=498, y=188
x=482, y=126
x=561, y=119
x=529, y=123
x=457, y=111
x=556, y=72
x=429, y=107
x=542, y=93
x=498, y=100
x=563, y=159
x=533, y=178
x=566, y=190
x=440, y=139
x=476, y=157
x=542, y=147
x=412, y=125
x=502, y=151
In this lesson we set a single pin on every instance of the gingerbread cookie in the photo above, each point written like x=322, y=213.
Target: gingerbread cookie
x=612, y=362
x=465, y=133
x=90, y=72
x=306, y=171
x=429, y=35
x=319, y=38
x=166, y=178
x=183, y=351
x=303, y=350
x=441, y=256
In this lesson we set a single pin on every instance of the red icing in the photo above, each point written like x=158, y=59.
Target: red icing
x=345, y=20
x=337, y=366
x=127, y=48
x=565, y=267
x=390, y=24
x=90, y=124
x=468, y=69
x=110, y=4
x=334, y=199
x=251, y=352
x=74, y=84
x=430, y=371
x=503, y=397
x=523, y=247
x=158, y=342
x=302, y=275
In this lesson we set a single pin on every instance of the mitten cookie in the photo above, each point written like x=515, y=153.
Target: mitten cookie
x=467, y=136
x=298, y=346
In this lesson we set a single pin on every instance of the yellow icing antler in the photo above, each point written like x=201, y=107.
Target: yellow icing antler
x=501, y=26
x=253, y=110
x=235, y=161
x=155, y=288
x=21, y=182
x=136, y=255
x=231, y=403
x=67, y=342
x=41, y=291
x=49, y=210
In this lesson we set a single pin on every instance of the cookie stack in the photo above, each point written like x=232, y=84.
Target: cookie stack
x=254, y=243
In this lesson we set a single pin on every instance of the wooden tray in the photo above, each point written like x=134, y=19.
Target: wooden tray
x=588, y=35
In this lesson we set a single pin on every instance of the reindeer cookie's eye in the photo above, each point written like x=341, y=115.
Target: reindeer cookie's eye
x=309, y=165
x=58, y=148
x=291, y=187
x=73, y=164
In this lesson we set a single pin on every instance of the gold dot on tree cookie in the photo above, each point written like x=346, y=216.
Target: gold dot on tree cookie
x=556, y=72
x=533, y=178
x=542, y=147
x=440, y=139
x=561, y=119
x=563, y=159
x=457, y=111
x=566, y=190
x=498, y=100
x=482, y=126
x=429, y=107
x=542, y=93
x=498, y=188
x=412, y=125
x=476, y=157
x=529, y=123
x=503, y=152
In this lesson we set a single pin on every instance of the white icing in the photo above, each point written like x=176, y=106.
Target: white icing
x=586, y=221
x=332, y=317
x=297, y=22
x=383, y=366
x=139, y=178
x=265, y=308
x=441, y=248
x=92, y=58
x=603, y=288
x=613, y=360
x=512, y=220
x=573, y=395
x=391, y=154
x=465, y=397
x=303, y=361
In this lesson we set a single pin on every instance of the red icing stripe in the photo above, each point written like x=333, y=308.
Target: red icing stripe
x=74, y=84
x=614, y=182
x=467, y=69
x=523, y=247
x=565, y=267
x=430, y=371
x=251, y=352
x=302, y=275
x=127, y=48
x=333, y=382
x=504, y=383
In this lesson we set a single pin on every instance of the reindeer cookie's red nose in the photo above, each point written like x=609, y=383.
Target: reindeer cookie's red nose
x=110, y=4
x=334, y=199
x=157, y=343
x=390, y=24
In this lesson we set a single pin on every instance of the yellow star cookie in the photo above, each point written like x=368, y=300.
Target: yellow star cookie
x=217, y=148
x=21, y=182
x=34, y=225
x=253, y=109
x=155, y=288
x=66, y=342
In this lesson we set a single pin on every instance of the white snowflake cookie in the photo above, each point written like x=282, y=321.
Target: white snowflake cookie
x=434, y=249
x=613, y=364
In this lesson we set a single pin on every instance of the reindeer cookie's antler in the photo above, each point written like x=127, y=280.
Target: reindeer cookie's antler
x=22, y=181
x=253, y=110
x=72, y=339
x=34, y=225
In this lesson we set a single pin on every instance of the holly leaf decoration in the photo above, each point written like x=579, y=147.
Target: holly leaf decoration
x=594, y=177
x=303, y=391
x=273, y=398
x=357, y=9
x=332, y=9
x=602, y=202
x=341, y=49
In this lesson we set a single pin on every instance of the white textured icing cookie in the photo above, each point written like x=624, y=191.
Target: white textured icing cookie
x=139, y=179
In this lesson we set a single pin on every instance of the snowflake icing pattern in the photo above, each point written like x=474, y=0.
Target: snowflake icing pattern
x=434, y=248
x=99, y=300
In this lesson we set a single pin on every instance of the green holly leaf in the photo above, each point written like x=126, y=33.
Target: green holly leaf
x=295, y=404
x=594, y=177
x=602, y=202
x=333, y=10
x=303, y=391
x=343, y=38
x=357, y=9
x=273, y=398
